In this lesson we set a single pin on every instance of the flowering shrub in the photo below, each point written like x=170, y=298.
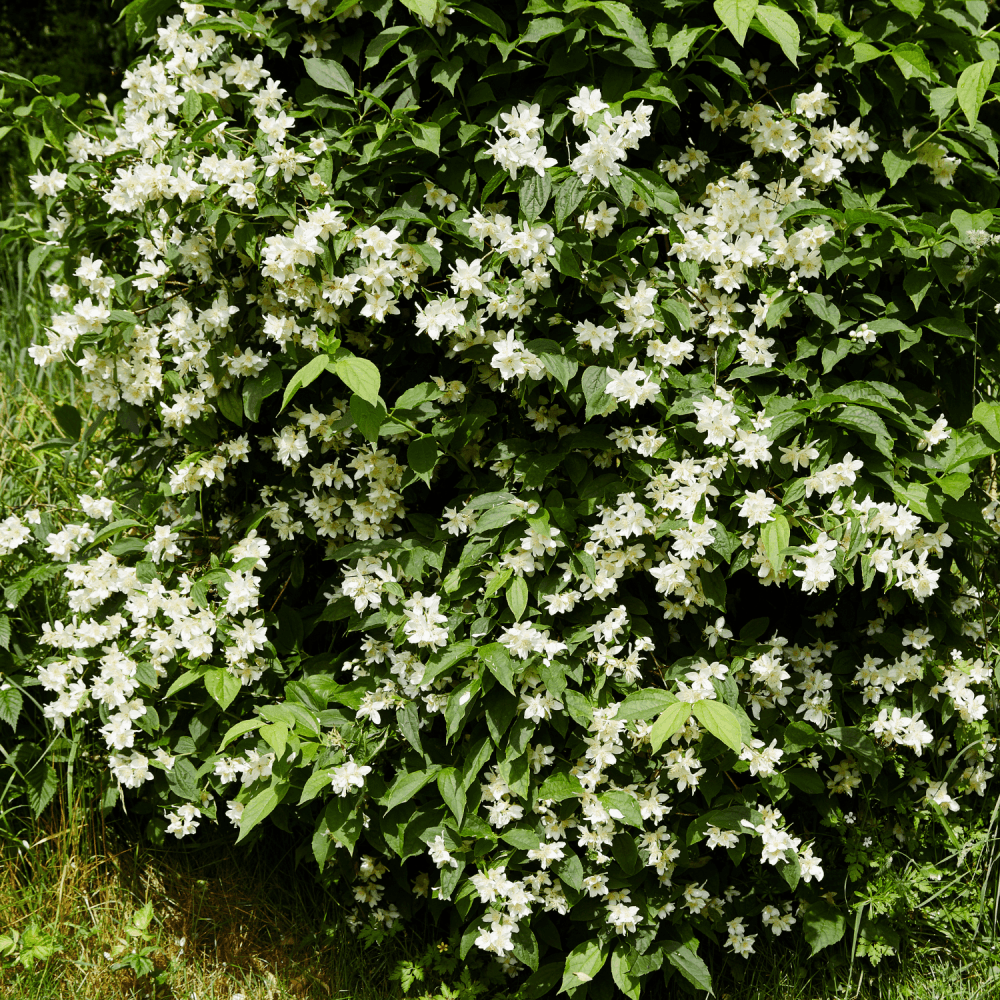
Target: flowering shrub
x=481, y=382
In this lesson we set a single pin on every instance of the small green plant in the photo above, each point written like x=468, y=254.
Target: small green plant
x=32, y=945
x=435, y=975
x=135, y=950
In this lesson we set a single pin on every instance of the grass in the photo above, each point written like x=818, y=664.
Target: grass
x=221, y=924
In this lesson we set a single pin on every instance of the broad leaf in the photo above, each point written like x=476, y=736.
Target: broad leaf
x=782, y=28
x=823, y=924
x=736, y=15
x=360, y=376
x=330, y=74
x=306, y=375
x=721, y=721
x=972, y=86
x=672, y=719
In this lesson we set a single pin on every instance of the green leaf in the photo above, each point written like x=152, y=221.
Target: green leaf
x=972, y=86
x=622, y=961
x=677, y=43
x=537, y=985
x=427, y=9
x=422, y=393
x=534, y=193
x=329, y=74
x=484, y=15
x=582, y=964
x=560, y=367
x=360, y=376
x=565, y=261
x=42, y=782
x=912, y=61
x=594, y=381
x=941, y=100
x=427, y=136
x=306, y=375
x=570, y=870
x=522, y=840
x=453, y=653
x=736, y=15
x=368, y=418
x=517, y=596
x=68, y=418
x=560, y=785
x=790, y=869
x=256, y=390
x=721, y=721
x=645, y=704
x=36, y=146
x=540, y=28
x=686, y=961
x=498, y=660
x=115, y=527
x=276, y=737
x=446, y=74
x=422, y=456
x=384, y=41
x=672, y=719
x=257, y=809
x=235, y=732
x=450, y=786
x=823, y=925
x=896, y=163
x=988, y=415
x=569, y=194
x=17, y=80
x=967, y=448
x=230, y=405
x=639, y=54
x=406, y=785
x=865, y=421
x=964, y=221
x=782, y=29
x=11, y=702
x=625, y=805
x=222, y=686
x=774, y=535
x=955, y=484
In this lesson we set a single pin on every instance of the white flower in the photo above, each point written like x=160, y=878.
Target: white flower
x=546, y=853
x=347, y=776
x=440, y=854
x=757, y=508
x=586, y=103
x=184, y=821
x=631, y=386
x=624, y=918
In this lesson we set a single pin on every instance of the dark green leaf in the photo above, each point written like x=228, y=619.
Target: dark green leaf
x=823, y=925
x=256, y=390
x=330, y=74
x=368, y=418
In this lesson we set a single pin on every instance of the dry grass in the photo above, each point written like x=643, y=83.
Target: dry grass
x=222, y=925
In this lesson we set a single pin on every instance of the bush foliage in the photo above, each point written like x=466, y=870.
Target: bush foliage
x=482, y=376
